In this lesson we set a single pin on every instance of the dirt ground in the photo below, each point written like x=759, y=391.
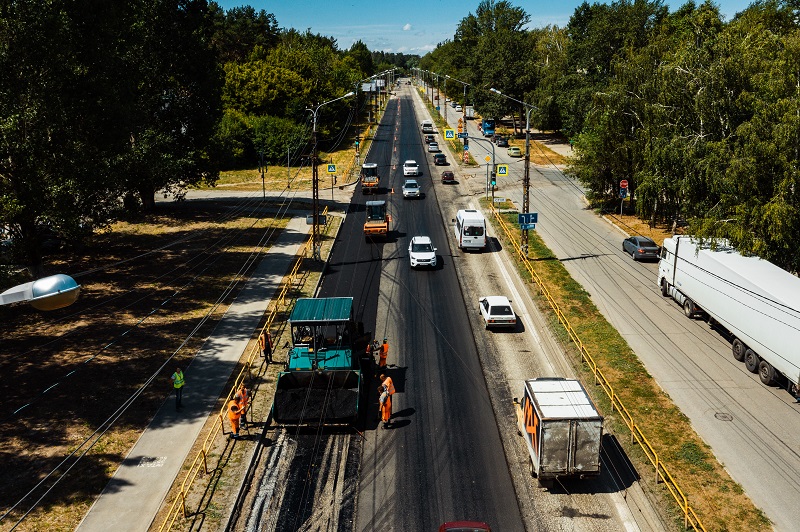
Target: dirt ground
x=146, y=287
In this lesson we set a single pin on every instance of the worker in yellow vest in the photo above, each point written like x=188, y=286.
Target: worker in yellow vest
x=177, y=383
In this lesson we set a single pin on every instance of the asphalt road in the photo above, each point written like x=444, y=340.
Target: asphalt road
x=751, y=428
x=442, y=459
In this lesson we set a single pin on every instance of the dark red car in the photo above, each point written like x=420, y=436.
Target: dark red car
x=465, y=526
x=448, y=176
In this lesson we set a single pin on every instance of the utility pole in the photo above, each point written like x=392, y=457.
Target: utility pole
x=315, y=233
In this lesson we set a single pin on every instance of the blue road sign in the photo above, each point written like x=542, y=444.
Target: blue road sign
x=463, y=135
x=529, y=218
x=623, y=193
x=527, y=226
x=331, y=168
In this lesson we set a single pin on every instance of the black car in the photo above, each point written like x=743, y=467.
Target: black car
x=429, y=139
x=502, y=142
x=641, y=248
x=439, y=159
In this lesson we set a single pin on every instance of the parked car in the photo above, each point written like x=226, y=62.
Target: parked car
x=465, y=526
x=410, y=168
x=440, y=159
x=448, y=176
x=429, y=139
x=453, y=104
x=411, y=189
x=514, y=151
x=501, y=142
x=496, y=311
x=459, y=109
x=433, y=147
x=641, y=248
x=421, y=252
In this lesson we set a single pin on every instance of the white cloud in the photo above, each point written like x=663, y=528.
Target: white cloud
x=407, y=27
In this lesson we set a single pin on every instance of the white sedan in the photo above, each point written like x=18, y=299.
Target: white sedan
x=496, y=311
x=421, y=252
x=411, y=189
x=410, y=168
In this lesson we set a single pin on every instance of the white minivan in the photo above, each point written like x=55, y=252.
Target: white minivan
x=469, y=226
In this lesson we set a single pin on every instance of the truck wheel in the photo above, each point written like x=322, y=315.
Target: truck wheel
x=664, y=288
x=738, y=350
x=751, y=361
x=766, y=372
x=688, y=308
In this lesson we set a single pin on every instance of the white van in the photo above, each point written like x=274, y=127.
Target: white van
x=469, y=226
x=427, y=126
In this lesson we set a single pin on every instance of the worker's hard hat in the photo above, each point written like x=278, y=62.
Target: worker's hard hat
x=385, y=339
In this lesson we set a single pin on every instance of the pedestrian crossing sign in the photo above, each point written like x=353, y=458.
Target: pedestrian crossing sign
x=331, y=168
x=502, y=169
x=449, y=134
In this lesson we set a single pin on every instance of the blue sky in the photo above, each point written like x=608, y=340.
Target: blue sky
x=411, y=26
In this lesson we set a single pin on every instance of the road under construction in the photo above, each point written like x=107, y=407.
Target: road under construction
x=452, y=451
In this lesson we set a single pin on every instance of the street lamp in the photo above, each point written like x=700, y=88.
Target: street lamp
x=48, y=293
x=315, y=238
x=526, y=182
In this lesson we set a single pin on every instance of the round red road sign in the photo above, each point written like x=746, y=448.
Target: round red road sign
x=623, y=183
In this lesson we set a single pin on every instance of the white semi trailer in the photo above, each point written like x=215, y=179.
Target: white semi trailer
x=757, y=302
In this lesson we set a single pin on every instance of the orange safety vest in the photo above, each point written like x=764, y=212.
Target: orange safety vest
x=243, y=396
x=389, y=385
x=234, y=410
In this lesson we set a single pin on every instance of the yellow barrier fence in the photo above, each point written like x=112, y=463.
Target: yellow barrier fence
x=661, y=472
x=200, y=463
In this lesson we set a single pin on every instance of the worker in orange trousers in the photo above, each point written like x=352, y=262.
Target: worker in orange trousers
x=386, y=408
x=384, y=354
x=234, y=414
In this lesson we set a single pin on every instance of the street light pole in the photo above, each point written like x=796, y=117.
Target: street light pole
x=315, y=237
x=526, y=182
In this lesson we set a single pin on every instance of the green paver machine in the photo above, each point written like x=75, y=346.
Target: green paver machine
x=321, y=383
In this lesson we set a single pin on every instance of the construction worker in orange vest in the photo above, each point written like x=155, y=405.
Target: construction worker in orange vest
x=386, y=389
x=384, y=354
x=234, y=413
x=265, y=343
x=387, y=384
x=244, y=401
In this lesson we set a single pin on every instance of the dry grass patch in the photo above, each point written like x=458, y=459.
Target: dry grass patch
x=145, y=287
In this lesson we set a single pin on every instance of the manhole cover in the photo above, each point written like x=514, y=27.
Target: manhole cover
x=723, y=416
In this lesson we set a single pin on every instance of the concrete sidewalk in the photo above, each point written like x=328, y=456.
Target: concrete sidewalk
x=135, y=493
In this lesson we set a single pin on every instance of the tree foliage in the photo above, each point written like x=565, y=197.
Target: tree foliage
x=699, y=115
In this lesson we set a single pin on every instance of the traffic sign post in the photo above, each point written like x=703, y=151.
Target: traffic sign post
x=528, y=218
x=502, y=169
x=449, y=134
x=623, y=193
x=331, y=168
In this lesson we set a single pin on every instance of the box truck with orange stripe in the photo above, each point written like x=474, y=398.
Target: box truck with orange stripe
x=561, y=427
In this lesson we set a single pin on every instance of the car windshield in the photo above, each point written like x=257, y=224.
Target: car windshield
x=501, y=310
x=473, y=230
x=369, y=171
x=411, y=165
x=411, y=184
x=421, y=248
